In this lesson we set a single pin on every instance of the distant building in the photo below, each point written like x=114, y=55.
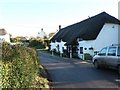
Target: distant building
x=41, y=34
x=4, y=36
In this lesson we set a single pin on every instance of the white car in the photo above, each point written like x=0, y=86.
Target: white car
x=108, y=57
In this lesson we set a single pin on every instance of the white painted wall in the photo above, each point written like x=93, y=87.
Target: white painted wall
x=52, y=46
x=5, y=38
x=62, y=45
x=107, y=36
x=55, y=44
x=87, y=45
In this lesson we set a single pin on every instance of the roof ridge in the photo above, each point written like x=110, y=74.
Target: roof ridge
x=84, y=29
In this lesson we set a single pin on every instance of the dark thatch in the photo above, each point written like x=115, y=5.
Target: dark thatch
x=86, y=30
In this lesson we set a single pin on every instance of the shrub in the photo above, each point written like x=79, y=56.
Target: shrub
x=37, y=44
x=87, y=56
x=20, y=67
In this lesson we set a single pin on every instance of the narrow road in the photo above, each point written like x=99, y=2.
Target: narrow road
x=75, y=73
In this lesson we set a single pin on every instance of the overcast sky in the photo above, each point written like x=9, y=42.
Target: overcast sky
x=27, y=17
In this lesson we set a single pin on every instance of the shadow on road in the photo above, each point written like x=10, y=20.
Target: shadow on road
x=65, y=72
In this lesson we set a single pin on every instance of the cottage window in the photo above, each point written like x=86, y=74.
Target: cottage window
x=103, y=51
x=62, y=48
x=85, y=48
x=81, y=50
x=112, y=51
x=58, y=47
x=91, y=48
x=118, y=51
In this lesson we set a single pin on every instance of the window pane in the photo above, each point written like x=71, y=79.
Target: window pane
x=103, y=51
x=118, y=50
x=112, y=51
x=81, y=50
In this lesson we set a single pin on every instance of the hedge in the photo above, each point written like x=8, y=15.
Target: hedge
x=20, y=68
x=37, y=44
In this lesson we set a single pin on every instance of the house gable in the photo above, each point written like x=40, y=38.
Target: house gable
x=106, y=37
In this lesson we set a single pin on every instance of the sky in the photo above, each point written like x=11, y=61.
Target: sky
x=27, y=17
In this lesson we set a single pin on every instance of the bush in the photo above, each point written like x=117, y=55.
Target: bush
x=37, y=44
x=20, y=67
x=87, y=56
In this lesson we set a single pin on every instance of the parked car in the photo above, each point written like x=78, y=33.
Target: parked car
x=108, y=57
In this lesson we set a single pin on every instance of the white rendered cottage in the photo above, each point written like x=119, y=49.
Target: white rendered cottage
x=58, y=46
x=106, y=37
x=88, y=36
x=4, y=36
x=41, y=34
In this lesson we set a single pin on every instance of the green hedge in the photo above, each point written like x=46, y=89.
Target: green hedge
x=20, y=68
x=36, y=44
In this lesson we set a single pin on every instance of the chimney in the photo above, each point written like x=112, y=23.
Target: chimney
x=42, y=29
x=59, y=27
x=88, y=16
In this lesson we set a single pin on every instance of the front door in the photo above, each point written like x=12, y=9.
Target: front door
x=81, y=52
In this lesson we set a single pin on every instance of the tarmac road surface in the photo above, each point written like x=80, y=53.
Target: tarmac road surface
x=75, y=73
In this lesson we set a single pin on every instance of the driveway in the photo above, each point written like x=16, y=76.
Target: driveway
x=75, y=73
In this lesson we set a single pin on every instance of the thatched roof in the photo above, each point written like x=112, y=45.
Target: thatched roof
x=86, y=30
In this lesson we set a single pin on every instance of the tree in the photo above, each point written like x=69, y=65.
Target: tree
x=51, y=34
